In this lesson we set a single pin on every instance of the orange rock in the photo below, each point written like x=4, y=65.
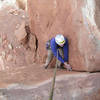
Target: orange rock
x=22, y=4
x=75, y=20
x=9, y=24
x=21, y=34
x=2, y=65
x=9, y=58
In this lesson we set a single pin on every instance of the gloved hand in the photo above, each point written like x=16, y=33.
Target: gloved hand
x=67, y=66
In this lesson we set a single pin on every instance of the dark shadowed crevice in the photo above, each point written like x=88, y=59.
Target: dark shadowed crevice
x=29, y=38
x=27, y=28
x=36, y=44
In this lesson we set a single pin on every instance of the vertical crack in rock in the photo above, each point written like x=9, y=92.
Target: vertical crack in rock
x=27, y=28
x=36, y=44
x=32, y=40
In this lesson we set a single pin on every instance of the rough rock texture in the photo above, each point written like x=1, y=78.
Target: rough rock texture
x=14, y=34
x=19, y=4
x=6, y=3
x=68, y=87
x=27, y=75
x=75, y=19
x=21, y=34
x=22, y=4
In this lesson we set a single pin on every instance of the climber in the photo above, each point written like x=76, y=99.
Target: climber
x=60, y=44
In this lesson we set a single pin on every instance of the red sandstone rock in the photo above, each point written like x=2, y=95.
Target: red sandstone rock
x=21, y=34
x=75, y=20
x=32, y=42
x=80, y=86
x=9, y=58
x=22, y=4
x=2, y=65
x=9, y=24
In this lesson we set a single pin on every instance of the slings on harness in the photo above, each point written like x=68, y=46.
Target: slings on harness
x=48, y=45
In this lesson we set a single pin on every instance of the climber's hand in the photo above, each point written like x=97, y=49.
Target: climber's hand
x=67, y=66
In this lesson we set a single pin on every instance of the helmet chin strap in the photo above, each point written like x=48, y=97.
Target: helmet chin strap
x=61, y=45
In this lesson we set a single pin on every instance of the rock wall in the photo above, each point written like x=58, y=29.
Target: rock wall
x=5, y=3
x=19, y=4
x=68, y=87
x=14, y=34
x=75, y=19
x=22, y=4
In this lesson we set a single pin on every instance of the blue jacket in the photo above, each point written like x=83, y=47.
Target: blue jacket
x=54, y=48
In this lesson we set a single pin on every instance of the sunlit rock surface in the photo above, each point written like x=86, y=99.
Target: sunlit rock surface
x=76, y=19
x=81, y=86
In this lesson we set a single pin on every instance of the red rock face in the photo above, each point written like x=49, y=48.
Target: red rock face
x=14, y=49
x=81, y=86
x=75, y=20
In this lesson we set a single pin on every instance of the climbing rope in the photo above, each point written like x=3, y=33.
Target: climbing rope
x=53, y=81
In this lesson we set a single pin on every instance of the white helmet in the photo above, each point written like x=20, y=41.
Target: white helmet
x=60, y=40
